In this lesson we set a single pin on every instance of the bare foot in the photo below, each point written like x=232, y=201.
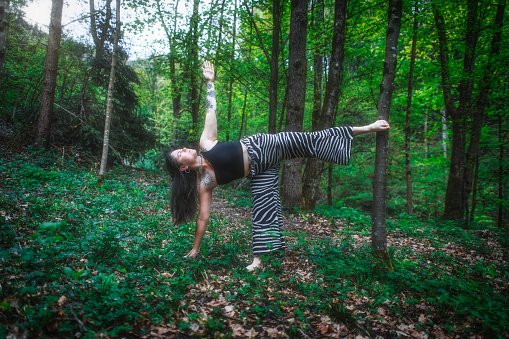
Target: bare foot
x=257, y=264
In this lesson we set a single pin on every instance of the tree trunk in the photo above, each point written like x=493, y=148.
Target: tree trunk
x=313, y=168
x=175, y=80
x=283, y=111
x=230, y=87
x=474, y=190
x=272, y=58
x=323, y=119
x=99, y=40
x=444, y=134
x=5, y=16
x=329, y=184
x=274, y=65
x=478, y=112
x=50, y=74
x=500, y=216
x=220, y=28
x=378, y=231
x=243, y=114
x=292, y=176
x=455, y=192
x=109, y=102
x=193, y=67
x=408, y=172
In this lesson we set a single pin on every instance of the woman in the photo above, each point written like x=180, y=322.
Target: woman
x=256, y=157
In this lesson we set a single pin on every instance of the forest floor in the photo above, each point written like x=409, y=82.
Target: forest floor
x=78, y=260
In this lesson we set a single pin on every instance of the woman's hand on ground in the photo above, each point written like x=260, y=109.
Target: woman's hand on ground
x=208, y=71
x=193, y=254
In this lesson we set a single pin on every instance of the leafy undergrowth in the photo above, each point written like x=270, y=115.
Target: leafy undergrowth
x=81, y=261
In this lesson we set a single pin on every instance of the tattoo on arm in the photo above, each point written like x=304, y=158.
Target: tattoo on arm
x=208, y=180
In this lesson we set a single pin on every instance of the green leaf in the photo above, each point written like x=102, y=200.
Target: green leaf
x=69, y=272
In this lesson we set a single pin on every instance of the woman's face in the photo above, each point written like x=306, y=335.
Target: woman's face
x=184, y=156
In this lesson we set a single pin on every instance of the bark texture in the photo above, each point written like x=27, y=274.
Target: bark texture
x=111, y=88
x=5, y=15
x=292, y=176
x=477, y=114
x=454, y=196
x=378, y=230
x=193, y=67
x=322, y=116
x=408, y=170
x=50, y=75
x=176, y=83
x=274, y=64
x=99, y=38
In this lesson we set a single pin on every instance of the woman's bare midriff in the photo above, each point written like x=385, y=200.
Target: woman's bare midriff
x=245, y=155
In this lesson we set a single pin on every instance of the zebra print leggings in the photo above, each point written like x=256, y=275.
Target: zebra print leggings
x=265, y=154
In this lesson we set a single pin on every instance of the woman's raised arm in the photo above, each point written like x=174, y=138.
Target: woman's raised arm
x=209, y=136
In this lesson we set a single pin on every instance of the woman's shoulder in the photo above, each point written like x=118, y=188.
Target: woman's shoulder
x=206, y=145
x=208, y=180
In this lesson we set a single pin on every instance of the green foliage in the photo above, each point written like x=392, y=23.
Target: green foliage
x=80, y=96
x=111, y=258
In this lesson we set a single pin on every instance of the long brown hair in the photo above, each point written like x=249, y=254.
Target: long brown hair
x=184, y=191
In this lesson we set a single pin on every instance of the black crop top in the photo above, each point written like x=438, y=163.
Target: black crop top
x=227, y=160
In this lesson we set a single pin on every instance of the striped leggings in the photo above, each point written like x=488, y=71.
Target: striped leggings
x=265, y=154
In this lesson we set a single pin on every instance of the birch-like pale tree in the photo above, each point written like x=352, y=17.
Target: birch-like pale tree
x=111, y=87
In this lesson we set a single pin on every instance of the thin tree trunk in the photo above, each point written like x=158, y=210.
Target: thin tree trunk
x=329, y=184
x=455, y=192
x=329, y=171
x=5, y=15
x=444, y=134
x=220, y=29
x=335, y=74
x=243, y=114
x=500, y=216
x=378, y=231
x=292, y=175
x=272, y=58
x=330, y=101
x=99, y=40
x=283, y=111
x=109, y=102
x=474, y=190
x=274, y=65
x=192, y=70
x=426, y=139
x=408, y=172
x=478, y=112
x=50, y=75
x=314, y=166
x=176, y=83
x=230, y=88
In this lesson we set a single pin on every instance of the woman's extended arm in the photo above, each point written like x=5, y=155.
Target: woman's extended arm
x=377, y=126
x=209, y=136
x=202, y=220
